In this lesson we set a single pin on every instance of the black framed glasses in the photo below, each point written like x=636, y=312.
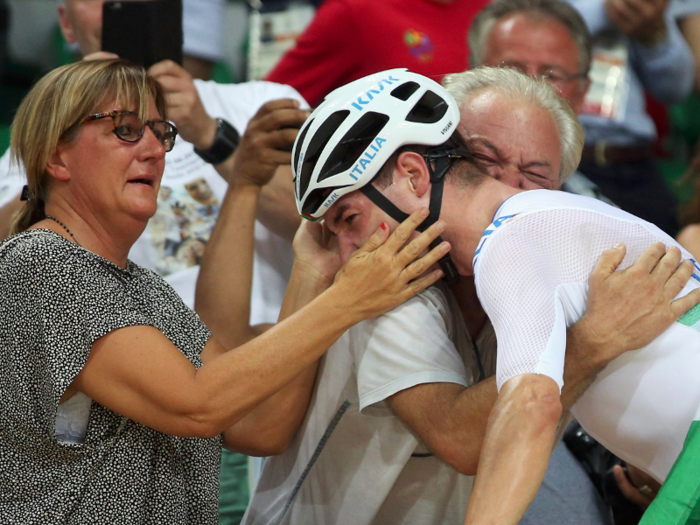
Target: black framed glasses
x=553, y=75
x=129, y=128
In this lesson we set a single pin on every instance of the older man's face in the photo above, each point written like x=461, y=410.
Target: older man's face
x=515, y=142
x=538, y=46
x=81, y=22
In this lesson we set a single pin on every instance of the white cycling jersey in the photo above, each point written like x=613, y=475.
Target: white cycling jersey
x=531, y=270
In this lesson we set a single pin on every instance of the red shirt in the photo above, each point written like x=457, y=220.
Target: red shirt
x=349, y=39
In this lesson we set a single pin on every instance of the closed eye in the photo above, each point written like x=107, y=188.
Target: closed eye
x=483, y=158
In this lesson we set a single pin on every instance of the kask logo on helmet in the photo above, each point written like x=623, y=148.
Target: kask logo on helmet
x=388, y=81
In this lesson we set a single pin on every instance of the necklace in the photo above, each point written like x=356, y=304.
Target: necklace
x=54, y=219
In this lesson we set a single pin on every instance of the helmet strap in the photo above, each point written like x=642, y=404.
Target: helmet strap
x=443, y=159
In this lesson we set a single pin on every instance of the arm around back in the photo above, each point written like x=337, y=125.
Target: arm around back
x=625, y=310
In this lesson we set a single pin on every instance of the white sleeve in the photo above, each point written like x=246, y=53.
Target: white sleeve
x=202, y=28
x=406, y=347
x=12, y=179
x=517, y=283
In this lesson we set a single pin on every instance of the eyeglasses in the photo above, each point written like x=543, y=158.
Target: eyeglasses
x=559, y=78
x=129, y=128
x=553, y=76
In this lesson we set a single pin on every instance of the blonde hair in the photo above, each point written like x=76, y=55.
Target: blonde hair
x=52, y=113
x=519, y=86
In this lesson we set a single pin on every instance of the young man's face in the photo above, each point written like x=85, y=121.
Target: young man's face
x=81, y=23
x=354, y=218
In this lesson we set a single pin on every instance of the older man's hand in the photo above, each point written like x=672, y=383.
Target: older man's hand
x=628, y=309
x=185, y=108
x=641, y=20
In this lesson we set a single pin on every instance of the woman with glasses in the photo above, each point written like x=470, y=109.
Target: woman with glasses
x=115, y=397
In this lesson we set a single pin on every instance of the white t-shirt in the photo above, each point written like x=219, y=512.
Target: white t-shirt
x=353, y=462
x=531, y=273
x=203, y=28
x=188, y=205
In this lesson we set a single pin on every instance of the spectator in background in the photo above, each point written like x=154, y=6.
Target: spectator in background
x=202, y=20
x=349, y=39
x=641, y=39
x=545, y=39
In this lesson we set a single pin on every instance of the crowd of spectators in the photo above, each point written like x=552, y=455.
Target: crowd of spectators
x=387, y=426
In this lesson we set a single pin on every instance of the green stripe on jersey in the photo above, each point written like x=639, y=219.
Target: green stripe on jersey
x=678, y=501
x=691, y=317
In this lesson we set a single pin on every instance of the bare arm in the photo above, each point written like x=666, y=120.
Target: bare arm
x=225, y=280
x=452, y=419
x=516, y=450
x=137, y=372
x=524, y=420
x=277, y=210
x=269, y=428
x=222, y=297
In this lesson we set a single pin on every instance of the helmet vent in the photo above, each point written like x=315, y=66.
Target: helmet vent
x=428, y=110
x=405, y=90
x=300, y=143
x=353, y=144
x=316, y=146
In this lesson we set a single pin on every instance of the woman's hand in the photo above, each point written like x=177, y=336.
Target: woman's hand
x=385, y=272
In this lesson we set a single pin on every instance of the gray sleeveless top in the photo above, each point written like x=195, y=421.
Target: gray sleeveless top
x=56, y=299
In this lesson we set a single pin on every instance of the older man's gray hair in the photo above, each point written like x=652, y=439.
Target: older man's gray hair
x=553, y=9
x=520, y=87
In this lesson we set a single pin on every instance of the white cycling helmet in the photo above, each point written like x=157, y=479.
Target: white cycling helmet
x=353, y=132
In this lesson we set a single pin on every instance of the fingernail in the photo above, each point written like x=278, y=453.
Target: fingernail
x=619, y=245
x=383, y=226
x=425, y=212
x=445, y=247
x=440, y=226
x=439, y=273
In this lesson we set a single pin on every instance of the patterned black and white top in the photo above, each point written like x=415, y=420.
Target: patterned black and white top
x=56, y=299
